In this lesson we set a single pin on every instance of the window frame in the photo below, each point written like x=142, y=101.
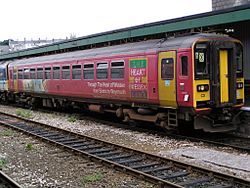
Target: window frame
x=201, y=48
x=46, y=70
x=56, y=71
x=18, y=74
x=62, y=72
x=187, y=69
x=26, y=73
x=102, y=68
x=173, y=69
x=39, y=70
x=117, y=67
x=76, y=69
x=88, y=69
x=32, y=72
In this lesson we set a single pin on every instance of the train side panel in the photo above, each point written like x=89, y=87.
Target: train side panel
x=132, y=79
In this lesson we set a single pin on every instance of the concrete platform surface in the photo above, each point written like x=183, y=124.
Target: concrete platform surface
x=220, y=158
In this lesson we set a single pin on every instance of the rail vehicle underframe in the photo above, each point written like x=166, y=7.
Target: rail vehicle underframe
x=212, y=120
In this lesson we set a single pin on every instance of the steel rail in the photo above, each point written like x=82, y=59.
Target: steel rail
x=7, y=182
x=165, y=172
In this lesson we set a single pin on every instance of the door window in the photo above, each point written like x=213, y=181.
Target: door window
x=167, y=69
x=184, y=66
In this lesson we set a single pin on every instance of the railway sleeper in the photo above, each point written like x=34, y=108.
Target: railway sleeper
x=71, y=141
x=150, y=165
x=118, y=157
x=100, y=151
x=194, y=181
x=157, y=169
x=220, y=186
x=174, y=175
x=108, y=154
x=127, y=161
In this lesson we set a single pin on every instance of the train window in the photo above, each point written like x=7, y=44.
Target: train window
x=39, y=73
x=15, y=75
x=56, y=72
x=66, y=72
x=102, y=71
x=88, y=71
x=32, y=73
x=167, y=69
x=76, y=72
x=26, y=74
x=184, y=66
x=239, y=60
x=201, y=63
x=117, y=70
x=2, y=74
x=20, y=73
x=47, y=72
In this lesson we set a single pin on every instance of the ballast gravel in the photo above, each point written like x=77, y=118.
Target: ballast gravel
x=144, y=141
x=35, y=164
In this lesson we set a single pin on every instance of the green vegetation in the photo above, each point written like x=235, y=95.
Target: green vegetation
x=72, y=119
x=95, y=177
x=24, y=113
x=29, y=147
x=3, y=163
x=7, y=132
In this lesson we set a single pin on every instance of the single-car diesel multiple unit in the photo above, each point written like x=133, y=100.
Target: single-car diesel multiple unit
x=197, y=79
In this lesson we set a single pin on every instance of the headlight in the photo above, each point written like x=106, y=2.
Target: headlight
x=202, y=88
x=240, y=85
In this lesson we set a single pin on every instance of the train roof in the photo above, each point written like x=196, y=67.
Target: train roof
x=152, y=46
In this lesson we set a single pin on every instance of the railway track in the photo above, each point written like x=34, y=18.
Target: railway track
x=218, y=139
x=224, y=140
x=7, y=182
x=165, y=172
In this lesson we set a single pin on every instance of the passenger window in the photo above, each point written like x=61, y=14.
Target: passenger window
x=26, y=74
x=56, y=72
x=184, y=66
x=76, y=72
x=47, y=72
x=167, y=69
x=32, y=73
x=39, y=73
x=66, y=72
x=15, y=75
x=102, y=71
x=2, y=74
x=117, y=70
x=88, y=71
x=20, y=73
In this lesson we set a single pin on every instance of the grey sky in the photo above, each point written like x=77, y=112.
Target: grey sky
x=33, y=19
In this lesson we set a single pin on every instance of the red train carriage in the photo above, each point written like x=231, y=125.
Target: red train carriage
x=196, y=78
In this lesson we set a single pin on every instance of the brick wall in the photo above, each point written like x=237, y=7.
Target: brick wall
x=222, y=4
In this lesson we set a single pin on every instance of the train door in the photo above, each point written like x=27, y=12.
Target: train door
x=184, y=78
x=223, y=64
x=15, y=79
x=167, y=79
x=11, y=83
x=223, y=83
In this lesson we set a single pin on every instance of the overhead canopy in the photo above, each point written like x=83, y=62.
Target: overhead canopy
x=226, y=16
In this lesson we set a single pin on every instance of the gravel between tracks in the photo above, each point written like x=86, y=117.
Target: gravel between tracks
x=154, y=144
